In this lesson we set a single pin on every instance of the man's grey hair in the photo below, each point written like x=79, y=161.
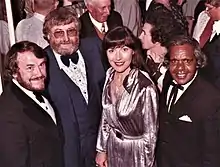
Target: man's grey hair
x=201, y=58
x=90, y=2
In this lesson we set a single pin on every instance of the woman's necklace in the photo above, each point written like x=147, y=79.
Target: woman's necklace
x=116, y=90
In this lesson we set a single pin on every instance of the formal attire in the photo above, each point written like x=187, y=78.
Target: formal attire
x=130, y=13
x=88, y=28
x=31, y=29
x=76, y=94
x=212, y=50
x=128, y=129
x=188, y=133
x=31, y=134
x=200, y=25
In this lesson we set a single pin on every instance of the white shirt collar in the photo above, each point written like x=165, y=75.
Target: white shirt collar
x=46, y=105
x=97, y=24
x=185, y=86
x=60, y=63
x=39, y=16
x=57, y=57
x=148, y=2
x=216, y=27
x=28, y=92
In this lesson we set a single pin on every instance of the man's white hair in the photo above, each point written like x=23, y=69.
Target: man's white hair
x=90, y=2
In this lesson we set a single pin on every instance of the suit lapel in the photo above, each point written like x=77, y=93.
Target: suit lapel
x=88, y=69
x=31, y=108
x=180, y=107
x=89, y=26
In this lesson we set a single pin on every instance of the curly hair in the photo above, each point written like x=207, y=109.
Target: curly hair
x=164, y=24
x=11, y=64
x=201, y=58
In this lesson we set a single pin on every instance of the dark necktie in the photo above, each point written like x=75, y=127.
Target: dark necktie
x=103, y=28
x=173, y=94
x=66, y=59
x=39, y=97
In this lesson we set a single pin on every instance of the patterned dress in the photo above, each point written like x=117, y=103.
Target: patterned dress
x=128, y=129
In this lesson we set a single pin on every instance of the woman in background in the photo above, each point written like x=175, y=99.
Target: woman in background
x=128, y=129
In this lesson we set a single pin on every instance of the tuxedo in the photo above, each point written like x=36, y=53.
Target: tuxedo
x=29, y=136
x=212, y=70
x=80, y=120
x=189, y=132
x=89, y=30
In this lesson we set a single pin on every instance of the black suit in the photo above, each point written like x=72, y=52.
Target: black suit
x=29, y=137
x=185, y=143
x=80, y=120
x=212, y=70
x=88, y=29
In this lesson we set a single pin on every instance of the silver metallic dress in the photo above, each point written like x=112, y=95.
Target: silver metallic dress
x=128, y=129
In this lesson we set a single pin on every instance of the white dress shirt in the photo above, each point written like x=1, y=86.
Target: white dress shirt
x=97, y=24
x=31, y=29
x=76, y=72
x=202, y=21
x=215, y=29
x=46, y=105
x=148, y=2
x=180, y=92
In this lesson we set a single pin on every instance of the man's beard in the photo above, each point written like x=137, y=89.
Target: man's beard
x=62, y=50
x=29, y=86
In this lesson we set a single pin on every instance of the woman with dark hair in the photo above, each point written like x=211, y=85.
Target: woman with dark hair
x=128, y=129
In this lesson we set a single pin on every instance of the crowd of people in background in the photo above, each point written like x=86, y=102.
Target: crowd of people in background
x=110, y=83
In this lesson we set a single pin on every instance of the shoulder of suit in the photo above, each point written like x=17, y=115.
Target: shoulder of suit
x=84, y=16
x=8, y=101
x=90, y=42
x=207, y=86
x=115, y=14
x=144, y=79
x=48, y=50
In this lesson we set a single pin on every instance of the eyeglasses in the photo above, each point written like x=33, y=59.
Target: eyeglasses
x=61, y=33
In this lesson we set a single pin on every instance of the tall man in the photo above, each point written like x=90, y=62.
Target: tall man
x=189, y=111
x=76, y=79
x=98, y=18
x=29, y=127
x=30, y=29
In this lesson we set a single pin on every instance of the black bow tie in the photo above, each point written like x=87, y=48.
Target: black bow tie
x=173, y=94
x=177, y=86
x=39, y=97
x=73, y=57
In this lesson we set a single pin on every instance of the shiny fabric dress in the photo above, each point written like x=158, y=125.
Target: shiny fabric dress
x=128, y=129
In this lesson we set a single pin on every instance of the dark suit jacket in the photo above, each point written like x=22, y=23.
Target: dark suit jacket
x=29, y=137
x=80, y=120
x=190, y=144
x=88, y=29
x=212, y=70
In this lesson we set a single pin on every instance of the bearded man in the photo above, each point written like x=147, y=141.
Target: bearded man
x=30, y=127
x=75, y=82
